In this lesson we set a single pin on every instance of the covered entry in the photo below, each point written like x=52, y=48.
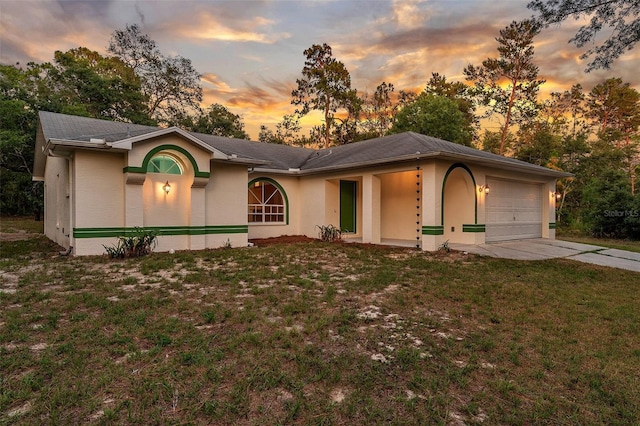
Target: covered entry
x=513, y=210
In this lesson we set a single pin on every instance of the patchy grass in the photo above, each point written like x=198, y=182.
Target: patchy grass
x=629, y=245
x=315, y=333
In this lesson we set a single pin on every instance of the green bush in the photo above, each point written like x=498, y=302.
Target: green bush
x=137, y=243
x=329, y=233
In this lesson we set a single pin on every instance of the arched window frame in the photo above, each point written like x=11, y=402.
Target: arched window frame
x=263, y=211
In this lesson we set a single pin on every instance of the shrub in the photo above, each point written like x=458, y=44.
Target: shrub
x=329, y=233
x=137, y=243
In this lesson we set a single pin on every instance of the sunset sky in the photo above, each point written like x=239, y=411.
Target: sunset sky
x=251, y=52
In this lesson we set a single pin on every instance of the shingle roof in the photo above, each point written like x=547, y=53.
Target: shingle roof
x=71, y=127
x=388, y=149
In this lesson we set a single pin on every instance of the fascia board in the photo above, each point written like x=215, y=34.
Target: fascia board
x=128, y=143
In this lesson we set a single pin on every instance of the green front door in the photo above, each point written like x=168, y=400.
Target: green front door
x=348, y=192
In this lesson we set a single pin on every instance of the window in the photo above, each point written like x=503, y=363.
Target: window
x=164, y=164
x=266, y=203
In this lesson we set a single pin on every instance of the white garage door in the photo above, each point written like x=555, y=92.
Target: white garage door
x=514, y=210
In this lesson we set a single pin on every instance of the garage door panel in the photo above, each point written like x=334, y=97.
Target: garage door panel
x=513, y=210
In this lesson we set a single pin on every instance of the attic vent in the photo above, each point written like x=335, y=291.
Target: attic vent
x=96, y=140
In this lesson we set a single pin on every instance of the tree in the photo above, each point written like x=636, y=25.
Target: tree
x=622, y=17
x=215, y=120
x=614, y=107
x=325, y=86
x=435, y=116
x=379, y=111
x=171, y=84
x=516, y=102
x=457, y=92
x=96, y=86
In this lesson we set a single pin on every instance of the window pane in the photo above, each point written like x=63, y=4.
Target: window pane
x=266, y=203
x=164, y=164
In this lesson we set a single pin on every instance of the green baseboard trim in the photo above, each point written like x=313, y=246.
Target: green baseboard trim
x=161, y=230
x=433, y=230
x=474, y=228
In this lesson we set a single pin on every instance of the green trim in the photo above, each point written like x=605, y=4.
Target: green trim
x=474, y=228
x=167, y=147
x=444, y=182
x=433, y=230
x=284, y=194
x=552, y=225
x=161, y=230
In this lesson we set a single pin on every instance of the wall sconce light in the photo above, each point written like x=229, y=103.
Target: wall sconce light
x=166, y=187
x=557, y=195
x=484, y=188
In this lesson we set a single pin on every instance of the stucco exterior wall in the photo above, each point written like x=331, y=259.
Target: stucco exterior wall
x=399, y=198
x=226, y=203
x=57, y=201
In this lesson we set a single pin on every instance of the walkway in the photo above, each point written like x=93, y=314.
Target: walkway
x=540, y=249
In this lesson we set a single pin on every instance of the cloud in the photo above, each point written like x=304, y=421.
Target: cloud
x=210, y=27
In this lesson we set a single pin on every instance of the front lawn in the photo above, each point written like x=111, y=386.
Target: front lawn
x=314, y=333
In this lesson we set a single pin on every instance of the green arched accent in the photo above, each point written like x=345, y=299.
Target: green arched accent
x=444, y=183
x=168, y=147
x=280, y=188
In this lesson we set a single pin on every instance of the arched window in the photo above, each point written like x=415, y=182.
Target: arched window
x=266, y=203
x=163, y=163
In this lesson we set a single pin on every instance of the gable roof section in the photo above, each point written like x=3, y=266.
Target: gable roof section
x=90, y=133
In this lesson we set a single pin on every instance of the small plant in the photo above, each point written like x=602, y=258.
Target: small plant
x=444, y=247
x=329, y=233
x=139, y=242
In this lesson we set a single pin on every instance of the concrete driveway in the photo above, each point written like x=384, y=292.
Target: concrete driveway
x=540, y=249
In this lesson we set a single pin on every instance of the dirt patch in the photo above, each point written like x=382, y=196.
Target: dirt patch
x=16, y=236
x=284, y=239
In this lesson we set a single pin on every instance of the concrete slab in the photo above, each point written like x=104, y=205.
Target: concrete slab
x=604, y=260
x=540, y=249
x=623, y=254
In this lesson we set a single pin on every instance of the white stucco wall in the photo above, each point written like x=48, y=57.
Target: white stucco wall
x=226, y=203
x=57, y=201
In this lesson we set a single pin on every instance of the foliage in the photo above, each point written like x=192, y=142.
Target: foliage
x=325, y=86
x=622, y=17
x=137, y=243
x=171, y=85
x=379, y=111
x=516, y=102
x=215, y=120
x=286, y=131
x=329, y=233
x=460, y=94
x=435, y=116
x=607, y=201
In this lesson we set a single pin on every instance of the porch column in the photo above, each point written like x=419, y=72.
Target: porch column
x=197, y=237
x=133, y=200
x=432, y=229
x=370, y=209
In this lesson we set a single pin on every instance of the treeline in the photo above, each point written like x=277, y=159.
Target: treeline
x=593, y=134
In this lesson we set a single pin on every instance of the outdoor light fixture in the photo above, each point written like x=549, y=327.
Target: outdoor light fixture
x=166, y=187
x=484, y=188
x=557, y=195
